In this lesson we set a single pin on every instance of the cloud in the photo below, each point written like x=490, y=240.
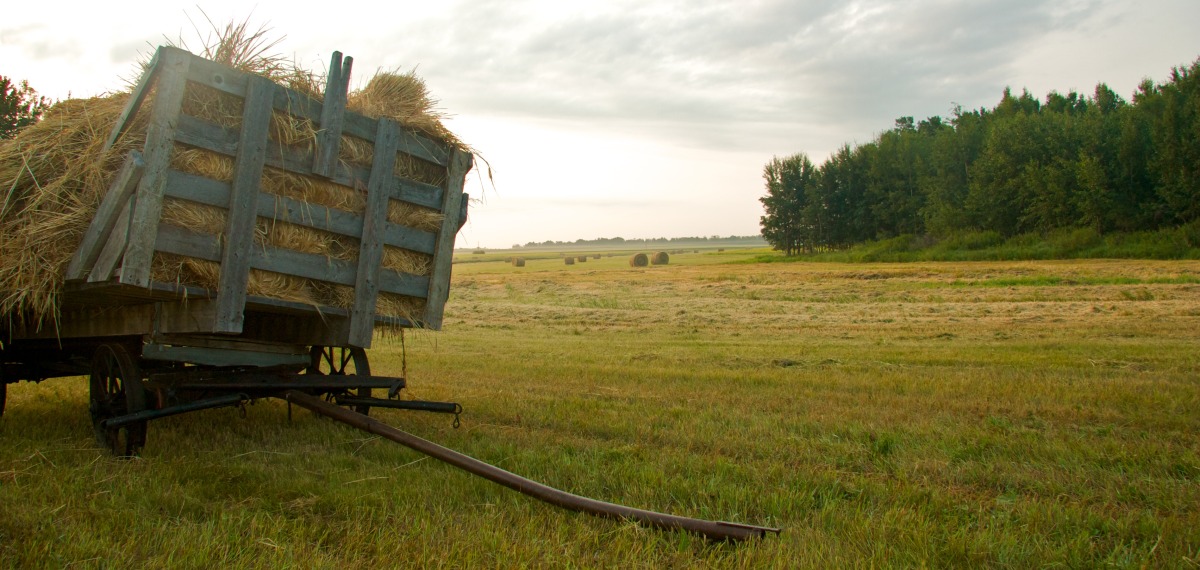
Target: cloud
x=719, y=73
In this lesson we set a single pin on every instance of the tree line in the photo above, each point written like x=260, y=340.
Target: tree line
x=620, y=241
x=1023, y=166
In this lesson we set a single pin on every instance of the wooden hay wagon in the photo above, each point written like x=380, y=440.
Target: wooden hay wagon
x=153, y=348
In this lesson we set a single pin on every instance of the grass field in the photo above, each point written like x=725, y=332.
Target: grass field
x=941, y=414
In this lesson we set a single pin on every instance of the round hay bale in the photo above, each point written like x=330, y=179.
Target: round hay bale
x=569, y=260
x=582, y=259
x=696, y=251
x=639, y=260
x=720, y=249
x=597, y=256
x=660, y=258
x=518, y=262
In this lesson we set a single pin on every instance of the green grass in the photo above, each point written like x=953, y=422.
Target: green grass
x=975, y=414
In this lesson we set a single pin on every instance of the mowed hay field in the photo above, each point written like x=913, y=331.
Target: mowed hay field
x=941, y=414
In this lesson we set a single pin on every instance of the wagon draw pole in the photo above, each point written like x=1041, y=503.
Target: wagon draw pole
x=709, y=529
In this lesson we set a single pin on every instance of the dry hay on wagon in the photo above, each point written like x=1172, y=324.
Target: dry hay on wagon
x=639, y=260
x=55, y=173
x=660, y=258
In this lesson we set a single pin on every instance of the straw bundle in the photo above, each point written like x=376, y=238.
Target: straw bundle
x=52, y=177
x=54, y=174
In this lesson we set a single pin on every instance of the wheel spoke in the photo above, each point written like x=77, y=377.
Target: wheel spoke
x=116, y=389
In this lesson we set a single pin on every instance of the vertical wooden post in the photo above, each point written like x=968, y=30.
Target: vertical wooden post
x=370, y=253
x=366, y=286
x=329, y=138
x=243, y=206
x=160, y=140
x=452, y=207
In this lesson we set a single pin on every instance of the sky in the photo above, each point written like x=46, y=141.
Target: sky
x=645, y=118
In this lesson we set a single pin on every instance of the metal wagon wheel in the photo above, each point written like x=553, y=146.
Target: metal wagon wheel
x=115, y=389
x=341, y=361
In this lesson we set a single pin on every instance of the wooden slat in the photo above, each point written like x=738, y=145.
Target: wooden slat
x=203, y=134
x=160, y=137
x=115, y=201
x=220, y=356
x=302, y=106
x=218, y=76
x=272, y=207
x=144, y=85
x=370, y=252
x=439, y=282
x=202, y=340
x=329, y=137
x=179, y=241
x=242, y=209
x=114, y=247
x=323, y=329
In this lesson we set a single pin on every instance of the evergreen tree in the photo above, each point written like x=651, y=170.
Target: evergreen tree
x=20, y=106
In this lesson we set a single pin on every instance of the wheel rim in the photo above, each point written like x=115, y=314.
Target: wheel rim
x=115, y=388
x=342, y=361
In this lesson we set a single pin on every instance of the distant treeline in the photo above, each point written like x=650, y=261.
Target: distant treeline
x=619, y=241
x=1022, y=167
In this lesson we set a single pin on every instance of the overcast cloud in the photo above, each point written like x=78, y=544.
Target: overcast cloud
x=648, y=118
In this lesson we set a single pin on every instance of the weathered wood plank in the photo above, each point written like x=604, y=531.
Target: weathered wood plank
x=243, y=205
x=115, y=201
x=160, y=137
x=114, y=247
x=370, y=252
x=439, y=282
x=218, y=76
x=302, y=106
x=329, y=137
x=192, y=316
x=179, y=241
x=209, y=136
x=205, y=340
x=411, y=143
x=272, y=207
x=220, y=356
x=136, y=98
